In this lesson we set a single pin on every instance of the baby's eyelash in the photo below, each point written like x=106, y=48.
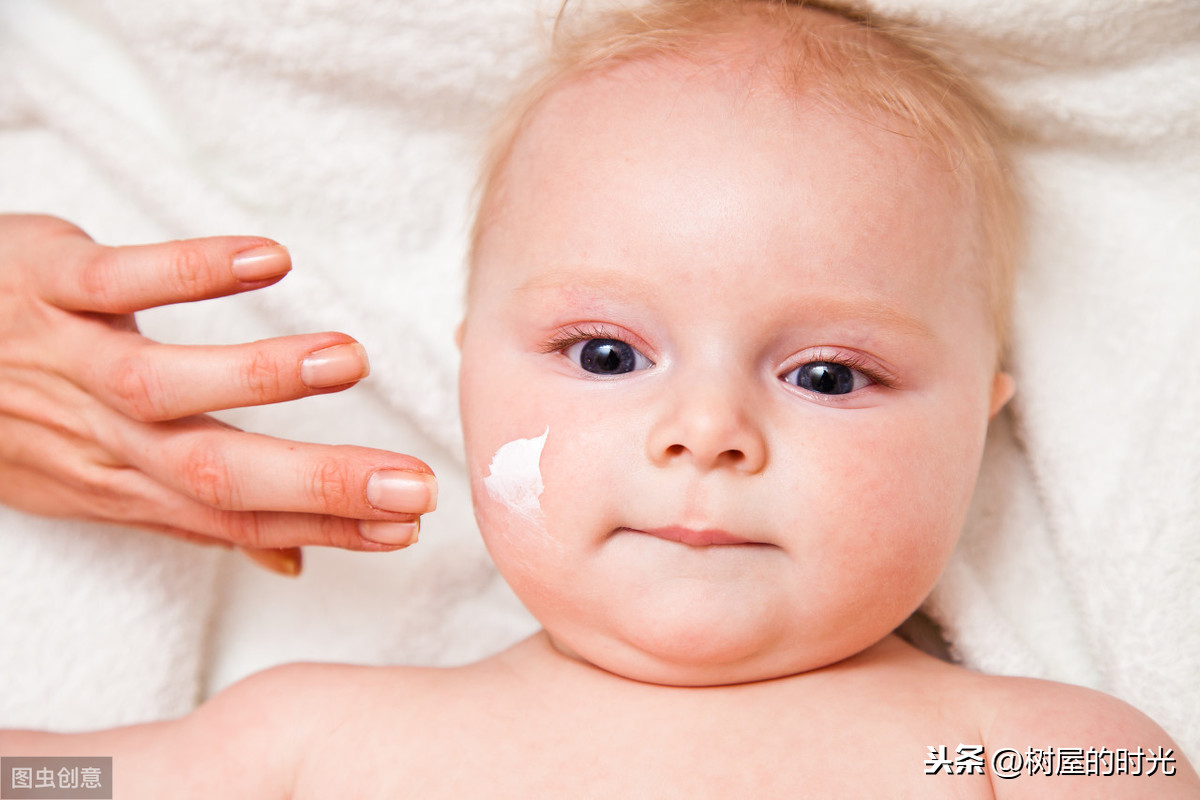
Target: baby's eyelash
x=573, y=334
x=853, y=361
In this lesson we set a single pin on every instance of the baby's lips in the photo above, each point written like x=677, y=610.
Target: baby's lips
x=402, y=491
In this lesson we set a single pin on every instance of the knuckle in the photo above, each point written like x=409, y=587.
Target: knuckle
x=261, y=378
x=207, y=477
x=245, y=528
x=98, y=280
x=188, y=267
x=338, y=532
x=135, y=383
x=333, y=485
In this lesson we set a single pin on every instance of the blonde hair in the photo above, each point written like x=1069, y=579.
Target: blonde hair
x=850, y=61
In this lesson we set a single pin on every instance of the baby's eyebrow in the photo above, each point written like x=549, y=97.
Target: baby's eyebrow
x=867, y=310
x=629, y=288
x=621, y=288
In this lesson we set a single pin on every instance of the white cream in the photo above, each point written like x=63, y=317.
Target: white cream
x=515, y=476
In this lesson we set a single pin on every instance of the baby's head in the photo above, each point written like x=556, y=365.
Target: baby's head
x=739, y=289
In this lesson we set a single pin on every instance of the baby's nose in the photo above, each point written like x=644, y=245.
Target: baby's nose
x=711, y=428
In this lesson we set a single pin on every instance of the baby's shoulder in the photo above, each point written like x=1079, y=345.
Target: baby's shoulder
x=1030, y=708
x=312, y=698
x=1043, y=738
x=300, y=689
x=290, y=705
x=318, y=728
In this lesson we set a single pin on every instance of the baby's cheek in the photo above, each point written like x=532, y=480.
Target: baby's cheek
x=508, y=492
x=514, y=477
x=902, y=499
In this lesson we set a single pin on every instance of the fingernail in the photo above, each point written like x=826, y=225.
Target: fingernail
x=261, y=263
x=391, y=533
x=333, y=366
x=405, y=492
x=282, y=561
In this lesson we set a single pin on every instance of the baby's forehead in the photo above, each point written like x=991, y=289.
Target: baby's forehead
x=664, y=170
x=753, y=70
x=649, y=110
x=769, y=73
x=752, y=50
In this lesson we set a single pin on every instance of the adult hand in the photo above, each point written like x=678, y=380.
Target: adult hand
x=99, y=422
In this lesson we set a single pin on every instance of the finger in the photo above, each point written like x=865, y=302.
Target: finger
x=152, y=382
x=130, y=497
x=279, y=530
x=81, y=275
x=191, y=537
x=236, y=471
x=53, y=473
x=267, y=530
x=286, y=561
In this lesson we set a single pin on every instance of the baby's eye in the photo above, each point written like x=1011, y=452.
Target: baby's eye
x=827, y=377
x=607, y=356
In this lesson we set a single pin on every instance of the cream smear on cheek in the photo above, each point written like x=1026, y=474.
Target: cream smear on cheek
x=515, y=476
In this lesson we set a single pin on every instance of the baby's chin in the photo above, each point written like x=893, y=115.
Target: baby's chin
x=701, y=633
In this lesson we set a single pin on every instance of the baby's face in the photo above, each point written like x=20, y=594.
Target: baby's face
x=740, y=323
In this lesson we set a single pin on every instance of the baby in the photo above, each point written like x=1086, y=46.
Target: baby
x=739, y=293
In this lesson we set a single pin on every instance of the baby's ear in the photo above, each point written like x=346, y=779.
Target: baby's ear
x=1003, y=388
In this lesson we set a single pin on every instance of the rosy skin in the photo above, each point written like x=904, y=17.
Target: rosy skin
x=728, y=255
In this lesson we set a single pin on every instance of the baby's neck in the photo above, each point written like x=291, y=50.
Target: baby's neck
x=550, y=660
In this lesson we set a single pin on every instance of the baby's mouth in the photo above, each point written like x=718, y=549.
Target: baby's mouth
x=707, y=537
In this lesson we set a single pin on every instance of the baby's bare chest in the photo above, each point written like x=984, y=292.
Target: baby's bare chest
x=634, y=745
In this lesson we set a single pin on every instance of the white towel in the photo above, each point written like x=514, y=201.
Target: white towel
x=348, y=131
